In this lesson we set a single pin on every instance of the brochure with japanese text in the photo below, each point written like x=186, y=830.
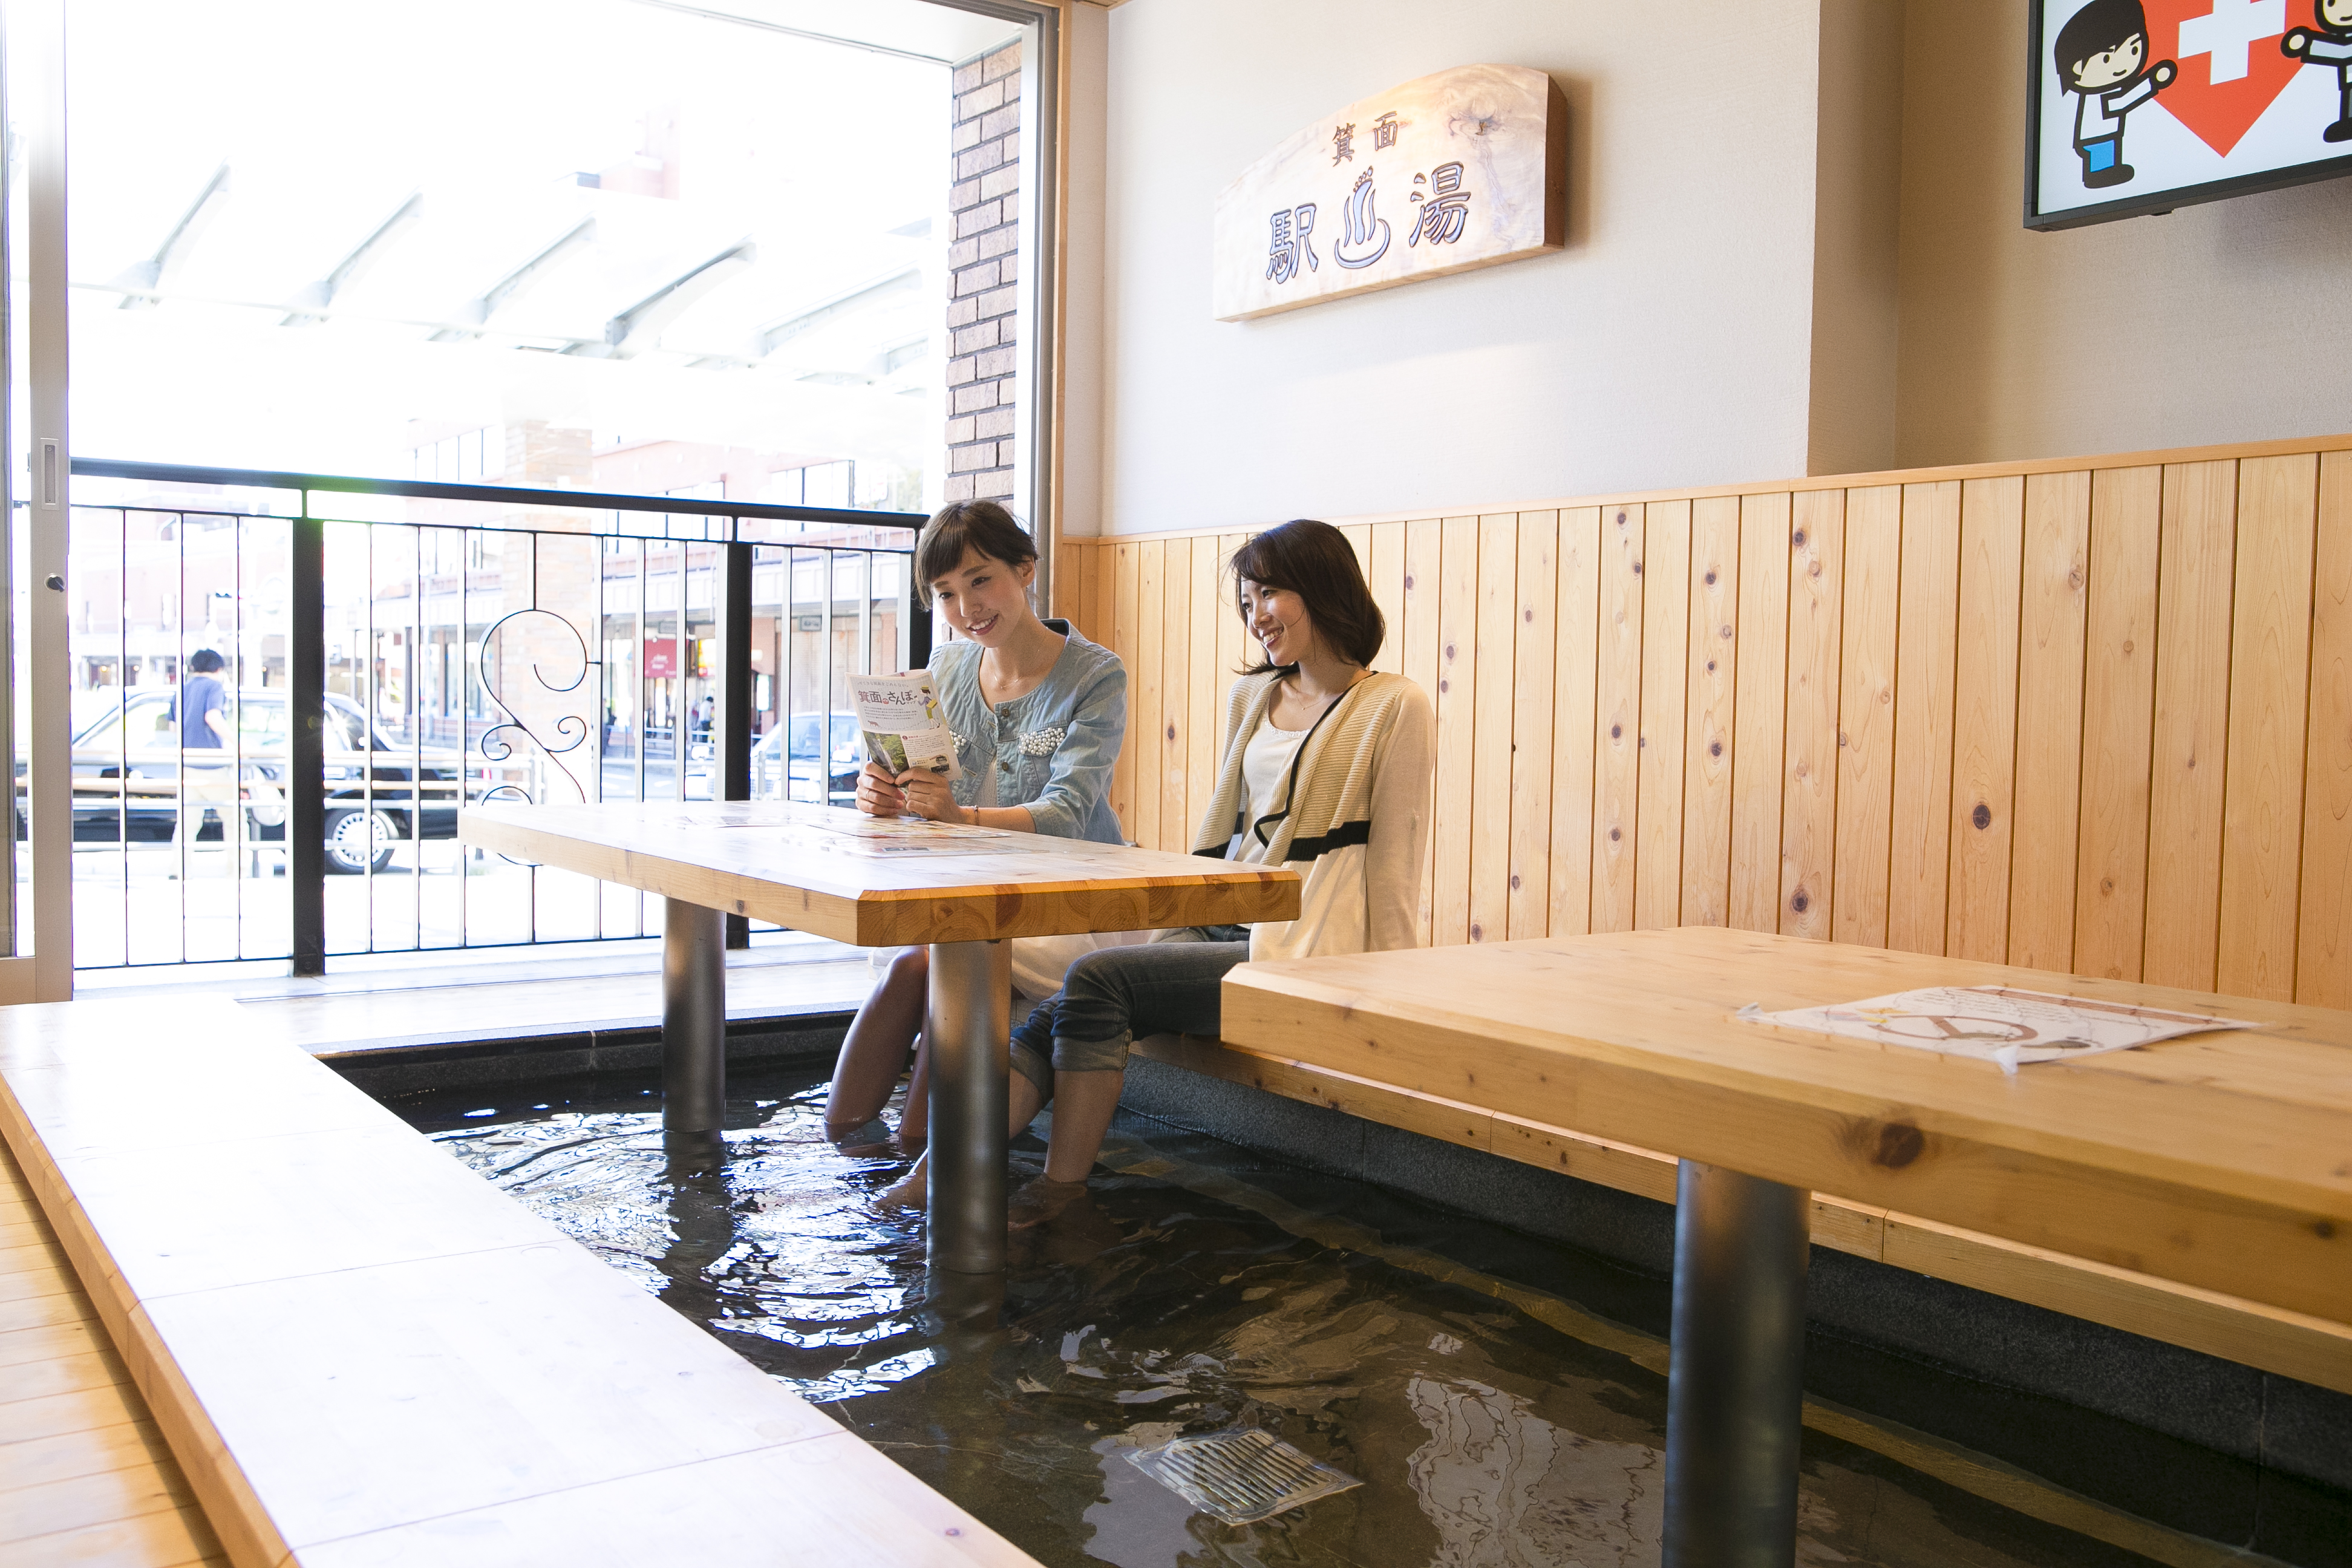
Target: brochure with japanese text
x=901, y=720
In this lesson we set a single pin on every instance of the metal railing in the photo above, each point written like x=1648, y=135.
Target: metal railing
x=379, y=672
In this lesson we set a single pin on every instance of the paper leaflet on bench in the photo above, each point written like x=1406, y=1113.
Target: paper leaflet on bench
x=903, y=726
x=1996, y=1023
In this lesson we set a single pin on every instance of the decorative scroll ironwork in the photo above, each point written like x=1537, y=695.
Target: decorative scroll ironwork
x=570, y=729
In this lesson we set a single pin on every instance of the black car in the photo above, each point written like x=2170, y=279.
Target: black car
x=128, y=773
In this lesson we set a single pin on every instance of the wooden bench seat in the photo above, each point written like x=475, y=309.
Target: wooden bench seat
x=360, y=1351
x=2293, y=1345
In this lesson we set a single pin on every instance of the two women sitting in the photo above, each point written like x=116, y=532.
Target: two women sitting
x=1325, y=766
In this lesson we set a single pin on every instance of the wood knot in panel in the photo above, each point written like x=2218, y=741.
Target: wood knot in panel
x=1899, y=1143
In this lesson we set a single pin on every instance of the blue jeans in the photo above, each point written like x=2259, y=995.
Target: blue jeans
x=1114, y=994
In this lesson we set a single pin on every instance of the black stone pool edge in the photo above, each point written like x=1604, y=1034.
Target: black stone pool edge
x=2240, y=1457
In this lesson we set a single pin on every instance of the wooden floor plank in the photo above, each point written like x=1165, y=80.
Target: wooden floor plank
x=79, y=1502
x=126, y=1444
x=85, y=1477
x=48, y=1341
x=169, y=1539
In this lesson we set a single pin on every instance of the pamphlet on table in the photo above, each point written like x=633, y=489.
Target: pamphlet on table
x=1997, y=1022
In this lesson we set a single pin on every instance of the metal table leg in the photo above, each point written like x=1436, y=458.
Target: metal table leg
x=969, y=1031
x=694, y=1017
x=1735, y=1386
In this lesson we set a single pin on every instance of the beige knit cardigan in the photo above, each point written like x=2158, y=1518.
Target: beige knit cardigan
x=1361, y=776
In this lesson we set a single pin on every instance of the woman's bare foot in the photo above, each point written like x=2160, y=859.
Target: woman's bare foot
x=1040, y=1201
x=909, y=1192
x=871, y=1136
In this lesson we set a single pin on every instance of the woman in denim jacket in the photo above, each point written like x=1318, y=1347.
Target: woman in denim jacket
x=1038, y=714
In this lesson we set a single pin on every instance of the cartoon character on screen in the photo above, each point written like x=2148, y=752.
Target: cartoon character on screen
x=2329, y=44
x=2098, y=55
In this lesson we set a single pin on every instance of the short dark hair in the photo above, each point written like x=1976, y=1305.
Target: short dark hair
x=968, y=525
x=1315, y=561
x=2093, y=30
x=204, y=661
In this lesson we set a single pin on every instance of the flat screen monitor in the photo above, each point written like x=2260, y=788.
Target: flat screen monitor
x=2141, y=106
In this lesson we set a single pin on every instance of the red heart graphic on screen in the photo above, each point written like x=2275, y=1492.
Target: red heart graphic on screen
x=2232, y=67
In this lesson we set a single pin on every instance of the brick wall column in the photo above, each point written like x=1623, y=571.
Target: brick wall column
x=984, y=207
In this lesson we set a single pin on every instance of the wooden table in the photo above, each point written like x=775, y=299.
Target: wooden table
x=877, y=883
x=2222, y=1160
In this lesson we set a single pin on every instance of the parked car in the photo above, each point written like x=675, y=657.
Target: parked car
x=816, y=771
x=369, y=796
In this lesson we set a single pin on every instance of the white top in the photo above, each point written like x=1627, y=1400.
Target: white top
x=1331, y=913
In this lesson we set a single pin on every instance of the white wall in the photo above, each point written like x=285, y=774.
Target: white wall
x=1858, y=214
x=1669, y=343
x=2230, y=321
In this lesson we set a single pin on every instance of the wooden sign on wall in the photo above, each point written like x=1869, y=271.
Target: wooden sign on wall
x=1463, y=169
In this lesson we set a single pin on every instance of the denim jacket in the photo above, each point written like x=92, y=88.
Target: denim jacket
x=1053, y=749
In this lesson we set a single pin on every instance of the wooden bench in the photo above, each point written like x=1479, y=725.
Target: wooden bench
x=2311, y=1348
x=2215, y=1160
x=360, y=1351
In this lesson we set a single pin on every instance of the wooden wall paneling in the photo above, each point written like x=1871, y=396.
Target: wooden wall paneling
x=2196, y=561
x=2052, y=623
x=1087, y=561
x=1527, y=908
x=1388, y=592
x=1233, y=644
x=2270, y=702
x=1919, y=835
x=1126, y=568
x=1207, y=689
x=1984, y=718
x=1102, y=586
x=1666, y=665
x=1176, y=694
x=1710, y=668
x=1865, y=721
x=1809, y=771
x=1575, y=678
x=1617, y=720
x=1759, y=706
x=1070, y=580
x=1457, y=726
x=1094, y=606
x=2118, y=709
x=1360, y=539
x=1144, y=677
x=2323, y=970
x=1422, y=583
x=1493, y=738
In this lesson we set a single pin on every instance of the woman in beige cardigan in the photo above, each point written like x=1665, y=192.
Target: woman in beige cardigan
x=1326, y=767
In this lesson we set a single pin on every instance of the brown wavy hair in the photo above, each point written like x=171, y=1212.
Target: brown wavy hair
x=1314, y=561
x=962, y=525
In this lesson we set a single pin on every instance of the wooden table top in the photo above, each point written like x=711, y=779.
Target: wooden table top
x=880, y=882
x=2222, y=1160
